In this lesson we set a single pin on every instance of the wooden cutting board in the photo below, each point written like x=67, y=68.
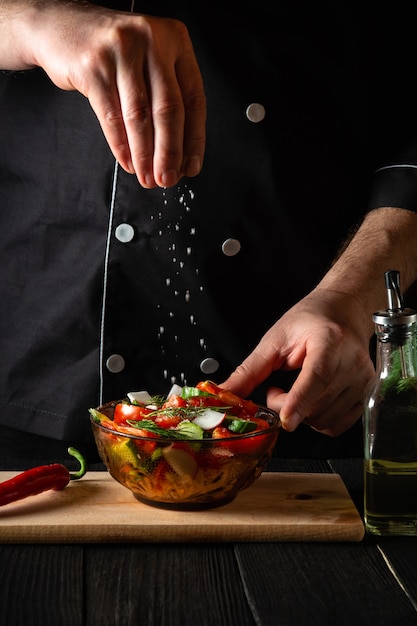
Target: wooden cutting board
x=277, y=507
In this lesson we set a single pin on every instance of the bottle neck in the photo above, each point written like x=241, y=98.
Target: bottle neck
x=397, y=351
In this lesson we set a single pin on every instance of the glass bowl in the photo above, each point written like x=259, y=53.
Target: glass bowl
x=185, y=473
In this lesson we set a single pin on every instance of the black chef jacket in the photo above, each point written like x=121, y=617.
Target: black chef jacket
x=107, y=287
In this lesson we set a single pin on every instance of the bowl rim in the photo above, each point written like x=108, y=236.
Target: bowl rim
x=166, y=440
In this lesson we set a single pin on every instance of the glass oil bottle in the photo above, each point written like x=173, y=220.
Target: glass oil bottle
x=390, y=421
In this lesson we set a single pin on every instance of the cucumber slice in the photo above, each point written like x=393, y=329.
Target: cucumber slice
x=191, y=392
x=240, y=426
x=191, y=430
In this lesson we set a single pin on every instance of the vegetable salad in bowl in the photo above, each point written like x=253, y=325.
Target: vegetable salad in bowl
x=195, y=448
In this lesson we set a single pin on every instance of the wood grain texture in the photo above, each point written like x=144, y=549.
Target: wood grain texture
x=322, y=585
x=165, y=585
x=118, y=585
x=277, y=507
x=365, y=583
x=400, y=555
x=41, y=586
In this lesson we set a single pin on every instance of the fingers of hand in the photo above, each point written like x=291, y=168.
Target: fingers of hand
x=118, y=94
x=137, y=116
x=253, y=370
x=317, y=374
x=338, y=418
x=194, y=100
x=104, y=99
x=178, y=116
x=275, y=398
x=147, y=92
x=331, y=406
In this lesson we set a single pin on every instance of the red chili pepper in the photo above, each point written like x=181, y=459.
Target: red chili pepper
x=41, y=478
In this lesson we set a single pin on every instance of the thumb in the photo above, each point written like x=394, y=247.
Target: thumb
x=248, y=375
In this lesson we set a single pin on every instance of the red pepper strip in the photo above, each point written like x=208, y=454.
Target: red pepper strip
x=41, y=478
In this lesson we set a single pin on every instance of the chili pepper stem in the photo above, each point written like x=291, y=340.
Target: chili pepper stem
x=83, y=465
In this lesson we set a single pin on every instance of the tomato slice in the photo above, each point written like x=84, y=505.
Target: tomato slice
x=124, y=411
x=174, y=401
x=159, y=475
x=242, y=408
x=221, y=432
x=167, y=421
x=205, y=401
x=242, y=445
x=145, y=447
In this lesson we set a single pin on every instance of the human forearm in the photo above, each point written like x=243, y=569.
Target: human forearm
x=13, y=54
x=18, y=28
x=385, y=240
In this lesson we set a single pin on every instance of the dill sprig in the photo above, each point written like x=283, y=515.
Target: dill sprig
x=185, y=412
x=150, y=425
x=155, y=400
x=395, y=384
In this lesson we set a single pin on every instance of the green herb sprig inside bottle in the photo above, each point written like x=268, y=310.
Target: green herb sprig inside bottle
x=390, y=421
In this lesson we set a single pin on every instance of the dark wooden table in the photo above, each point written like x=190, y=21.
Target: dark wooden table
x=369, y=583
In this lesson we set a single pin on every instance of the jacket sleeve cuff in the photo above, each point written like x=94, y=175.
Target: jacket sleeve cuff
x=394, y=186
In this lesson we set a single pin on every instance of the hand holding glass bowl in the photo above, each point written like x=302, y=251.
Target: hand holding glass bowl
x=194, y=449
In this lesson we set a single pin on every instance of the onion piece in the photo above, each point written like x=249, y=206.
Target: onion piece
x=209, y=418
x=142, y=397
x=175, y=390
x=181, y=461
